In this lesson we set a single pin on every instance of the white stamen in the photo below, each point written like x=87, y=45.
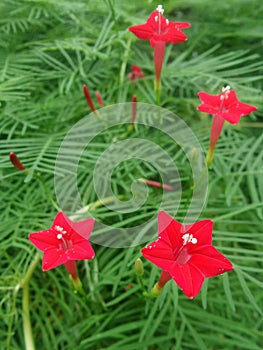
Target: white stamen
x=188, y=238
x=59, y=236
x=60, y=229
x=194, y=240
x=156, y=18
x=226, y=89
x=225, y=92
x=160, y=9
x=167, y=21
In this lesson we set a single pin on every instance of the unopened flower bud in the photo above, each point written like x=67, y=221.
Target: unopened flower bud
x=139, y=270
x=15, y=161
x=88, y=98
x=99, y=98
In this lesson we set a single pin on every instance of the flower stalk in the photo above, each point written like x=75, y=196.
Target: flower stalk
x=27, y=328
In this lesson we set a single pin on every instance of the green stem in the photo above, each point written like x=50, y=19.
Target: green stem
x=140, y=280
x=157, y=88
x=125, y=61
x=209, y=157
x=28, y=336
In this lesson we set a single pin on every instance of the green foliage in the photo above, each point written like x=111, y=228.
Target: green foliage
x=48, y=50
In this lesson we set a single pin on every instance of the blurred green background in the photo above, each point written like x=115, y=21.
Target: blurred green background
x=48, y=50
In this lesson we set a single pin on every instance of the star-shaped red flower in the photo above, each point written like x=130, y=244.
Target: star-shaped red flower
x=158, y=28
x=186, y=253
x=64, y=241
x=225, y=104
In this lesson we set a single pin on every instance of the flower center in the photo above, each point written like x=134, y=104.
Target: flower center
x=189, y=238
x=65, y=242
x=161, y=27
x=224, y=97
x=181, y=256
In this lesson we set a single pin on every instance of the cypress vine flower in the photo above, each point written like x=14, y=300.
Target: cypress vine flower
x=185, y=254
x=64, y=242
x=159, y=31
x=158, y=28
x=224, y=107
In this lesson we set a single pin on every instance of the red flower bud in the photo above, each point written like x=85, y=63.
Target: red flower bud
x=88, y=98
x=156, y=184
x=99, y=98
x=15, y=161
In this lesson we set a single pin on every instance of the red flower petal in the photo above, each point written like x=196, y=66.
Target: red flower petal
x=62, y=220
x=231, y=117
x=202, y=231
x=53, y=258
x=210, y=100
x=142, y=31
x=44, y=240
x=180, y=24
x=81, y=251
x=170, y=230
x=84, y=227
x=159, y=255
x=210, y=262
x=188, y=278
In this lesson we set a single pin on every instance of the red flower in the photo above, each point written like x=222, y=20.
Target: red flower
x=159, y=31
x=225, y=104
x=136, y=73
x=185, y=252
x=158, y=28
x=63, y=242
